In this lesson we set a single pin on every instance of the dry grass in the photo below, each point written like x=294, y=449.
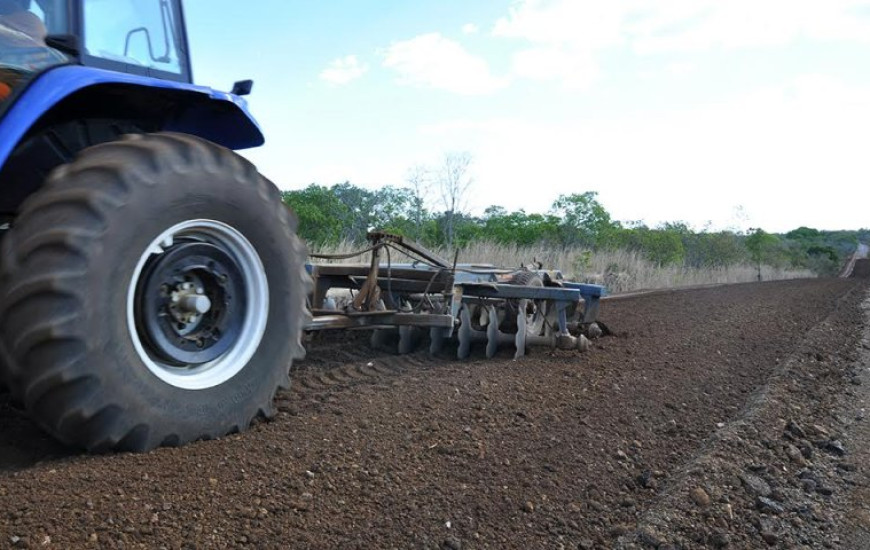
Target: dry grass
x=619, y=271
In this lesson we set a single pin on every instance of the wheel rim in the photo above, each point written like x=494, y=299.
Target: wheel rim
x=197, y=304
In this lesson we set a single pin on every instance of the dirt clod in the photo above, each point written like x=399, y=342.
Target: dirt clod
x=755, y=485
x=768, y=505
x=700, y=497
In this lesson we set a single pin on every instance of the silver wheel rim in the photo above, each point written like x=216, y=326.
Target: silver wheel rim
x=256, y=286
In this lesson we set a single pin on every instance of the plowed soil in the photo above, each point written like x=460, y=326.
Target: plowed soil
x=728, y=417
x=862, y=269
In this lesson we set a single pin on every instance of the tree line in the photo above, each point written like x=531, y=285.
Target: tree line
x=345, y=213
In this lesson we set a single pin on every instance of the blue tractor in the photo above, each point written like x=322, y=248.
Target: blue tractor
x=152, y=286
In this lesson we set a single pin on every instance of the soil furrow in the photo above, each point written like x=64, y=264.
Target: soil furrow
x=559, y=449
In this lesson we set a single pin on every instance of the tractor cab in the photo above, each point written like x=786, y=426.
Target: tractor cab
x=152, y=287
x=135, y=37
x=76, y=73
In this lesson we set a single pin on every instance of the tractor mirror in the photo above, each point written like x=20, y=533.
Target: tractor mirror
x=66, y=43
x=242, y=87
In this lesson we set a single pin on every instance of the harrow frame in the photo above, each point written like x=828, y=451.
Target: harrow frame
x=447, y=299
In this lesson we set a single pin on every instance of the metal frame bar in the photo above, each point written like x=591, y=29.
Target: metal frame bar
x=379, y=319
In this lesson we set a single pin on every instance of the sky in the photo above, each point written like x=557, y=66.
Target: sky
x=722, y=115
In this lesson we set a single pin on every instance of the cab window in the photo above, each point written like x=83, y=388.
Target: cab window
x=141, y=34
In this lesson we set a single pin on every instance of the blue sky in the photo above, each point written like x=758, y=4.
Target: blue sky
x=738, y=114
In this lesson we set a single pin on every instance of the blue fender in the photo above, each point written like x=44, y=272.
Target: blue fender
x=217, y=116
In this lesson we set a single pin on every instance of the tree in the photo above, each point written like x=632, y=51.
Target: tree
x=465, y=230
x=803, y=234
x=584, y=219
x=715, y=250
x=662, y=245
x=453, y=183
x=760, y=245
x=518, y=227
x=393, y=210
x=322, y=217
x=360, y=204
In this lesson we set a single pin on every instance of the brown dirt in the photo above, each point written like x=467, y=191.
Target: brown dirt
x=645, y=442
x=862, y=269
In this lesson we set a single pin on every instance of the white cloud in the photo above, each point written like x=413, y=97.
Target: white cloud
x=466, y=126
x=576, y=70
x=433, y=61
x=343, y=70
x=582, y=24
x=678, y=68
x=562, y=38
x=469, y=28
x=681, y=25
x=736, y=24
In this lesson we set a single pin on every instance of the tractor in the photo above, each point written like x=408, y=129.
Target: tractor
x=153, y=289
x=152, y=285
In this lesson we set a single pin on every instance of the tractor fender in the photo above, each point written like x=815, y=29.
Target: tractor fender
x=74, y=91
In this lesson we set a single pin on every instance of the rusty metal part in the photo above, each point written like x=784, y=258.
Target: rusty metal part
x=383, y=237
x=369, y=296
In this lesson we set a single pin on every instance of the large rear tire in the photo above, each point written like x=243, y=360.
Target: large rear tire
x=151, y=293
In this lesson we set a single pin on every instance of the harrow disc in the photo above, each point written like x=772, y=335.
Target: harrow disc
x=533, y=311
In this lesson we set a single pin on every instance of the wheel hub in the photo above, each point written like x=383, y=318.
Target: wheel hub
x=191, y=303
x=188, y=303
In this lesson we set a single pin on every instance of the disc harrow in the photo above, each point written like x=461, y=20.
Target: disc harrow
x=465, y=305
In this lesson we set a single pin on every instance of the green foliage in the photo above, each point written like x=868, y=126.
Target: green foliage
x=760, y=244
x=714, y=249
x=804, y=234
x=518, y=227
x=764, y=248
x=584, y=221
x=822, y=251
x=663, y=245
x=322, y=216
x=455, y=227
x=345, y=212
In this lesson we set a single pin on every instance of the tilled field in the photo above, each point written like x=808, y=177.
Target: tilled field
x=727, y=417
